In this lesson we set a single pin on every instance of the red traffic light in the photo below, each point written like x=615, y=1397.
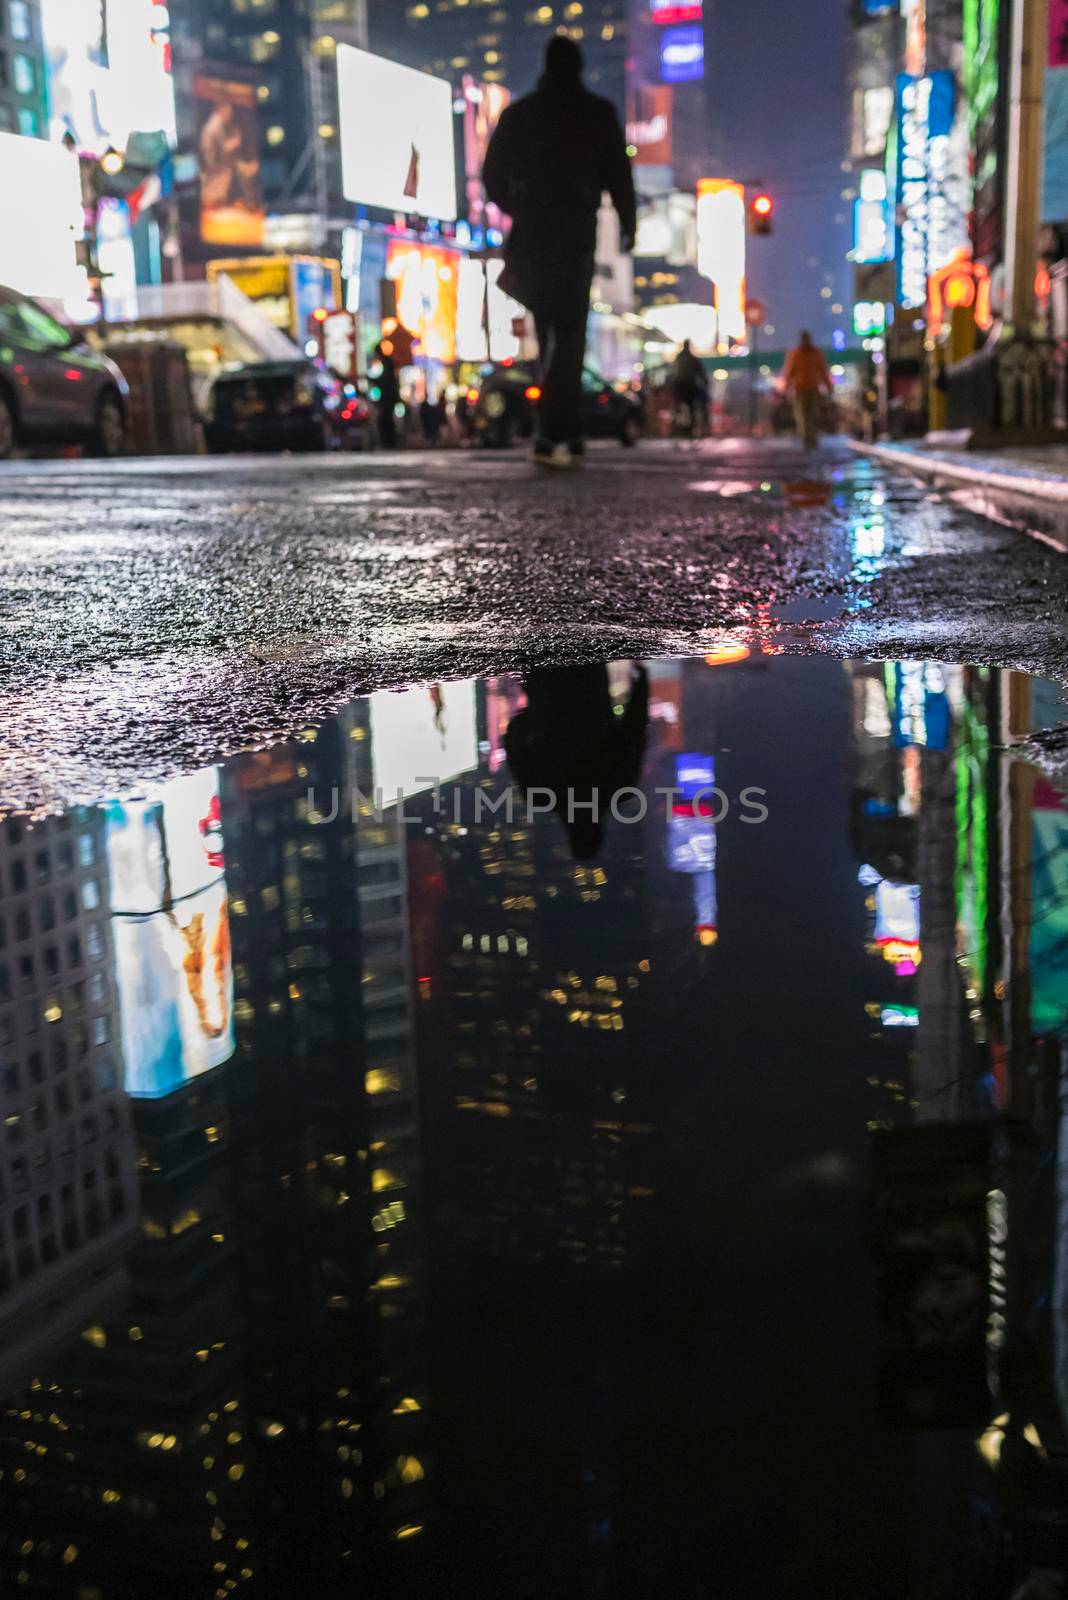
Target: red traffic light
x=761, y=208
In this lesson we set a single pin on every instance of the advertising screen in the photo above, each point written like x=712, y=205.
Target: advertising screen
x=231, y=202
x=422, y=737
x=649, y=119
x=426, y=277
x=397, y=136
x=682, y=54
x=721, y=242
x=171, y=934
x=483, y=104
x=102, y=93
x=40, y=180
x=668, y=11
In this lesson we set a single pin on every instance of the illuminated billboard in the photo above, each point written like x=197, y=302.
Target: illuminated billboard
x=483, y=104
x=421, y=737
x=671, y=11
x=40, y=181
x=932, y=192
x=397, y=136
x=171, y=934
x=721, y=241
x=231, y=201
x=649, y=120
x=99, y=92
x=682, y=54
x=480, y=334
x=872, y=223
x=426, y=277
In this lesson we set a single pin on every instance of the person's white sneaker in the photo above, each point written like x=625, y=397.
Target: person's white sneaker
x=547, y=454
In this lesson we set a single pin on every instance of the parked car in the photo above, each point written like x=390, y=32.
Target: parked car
x=287, y=405
x=505, y=406
x=53, y=388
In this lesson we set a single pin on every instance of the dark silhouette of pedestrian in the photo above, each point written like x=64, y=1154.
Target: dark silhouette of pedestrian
x=552, y=157
x=388, y=387
x=689, y=388
x=432, y=419
x=570, y=741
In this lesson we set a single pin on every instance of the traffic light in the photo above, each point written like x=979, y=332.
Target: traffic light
x=761, y=213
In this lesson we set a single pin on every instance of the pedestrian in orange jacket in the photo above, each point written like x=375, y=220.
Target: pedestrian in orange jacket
x=807, y=377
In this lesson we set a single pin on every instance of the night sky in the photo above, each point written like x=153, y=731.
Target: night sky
x=779, y=108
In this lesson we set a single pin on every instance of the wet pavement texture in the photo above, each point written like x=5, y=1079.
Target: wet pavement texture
x=159, y=614
x=436, y=1192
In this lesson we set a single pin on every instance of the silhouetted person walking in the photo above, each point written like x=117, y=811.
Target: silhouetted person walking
x=388, y=396
x=553, y=155
x=689, y=388
x=807, y=378
x=571, y=742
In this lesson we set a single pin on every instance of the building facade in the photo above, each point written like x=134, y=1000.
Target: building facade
x=503, y=41
x=23, y=80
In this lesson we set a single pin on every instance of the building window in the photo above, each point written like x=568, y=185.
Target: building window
x=25, y=76
x=20, y=21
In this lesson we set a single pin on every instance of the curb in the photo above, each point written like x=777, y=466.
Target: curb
x=1035, y=505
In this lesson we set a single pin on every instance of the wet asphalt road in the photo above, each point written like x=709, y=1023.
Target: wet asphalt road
x=160, y=614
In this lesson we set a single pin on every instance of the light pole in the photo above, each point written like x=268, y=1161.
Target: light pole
x=1027, y=71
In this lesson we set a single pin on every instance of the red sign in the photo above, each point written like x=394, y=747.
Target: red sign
x=755, y=312
x=649, y=112
x=1058, y=33
x=670, y=11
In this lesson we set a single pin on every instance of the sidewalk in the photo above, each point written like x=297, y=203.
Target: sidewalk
x=1025, y=487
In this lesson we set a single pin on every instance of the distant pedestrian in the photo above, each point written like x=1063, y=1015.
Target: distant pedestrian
x=553, y=155
x=807, y=379
x=388, y=386
x=689, y=390
x=432, y=419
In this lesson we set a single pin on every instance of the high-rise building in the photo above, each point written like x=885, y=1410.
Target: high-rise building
x=503, y=41
x=281, y=59
x=67, y=1184
x=23, y=80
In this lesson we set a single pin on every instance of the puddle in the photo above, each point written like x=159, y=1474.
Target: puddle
x=406, y=1181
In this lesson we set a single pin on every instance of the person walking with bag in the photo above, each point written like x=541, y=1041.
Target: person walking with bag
x=553, y=155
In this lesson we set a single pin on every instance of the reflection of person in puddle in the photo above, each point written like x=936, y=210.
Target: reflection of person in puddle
x=573, y=741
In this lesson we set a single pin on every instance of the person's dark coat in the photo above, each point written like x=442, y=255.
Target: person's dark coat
x=553, y=154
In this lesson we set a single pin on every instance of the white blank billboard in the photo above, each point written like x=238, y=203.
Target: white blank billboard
x=397, y=136
x=41, y=204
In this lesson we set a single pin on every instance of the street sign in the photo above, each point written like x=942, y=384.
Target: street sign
x=756, y=313
x=340, y=343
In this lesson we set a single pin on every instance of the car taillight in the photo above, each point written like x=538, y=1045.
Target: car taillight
x=533, y=393
x=472, y=395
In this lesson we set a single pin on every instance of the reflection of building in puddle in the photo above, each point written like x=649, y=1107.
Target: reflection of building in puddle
x=67, y=1162
x=255, y=1407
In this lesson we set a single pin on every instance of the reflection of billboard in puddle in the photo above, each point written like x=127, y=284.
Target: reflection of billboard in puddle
x=171, y=934
x=422, y=737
